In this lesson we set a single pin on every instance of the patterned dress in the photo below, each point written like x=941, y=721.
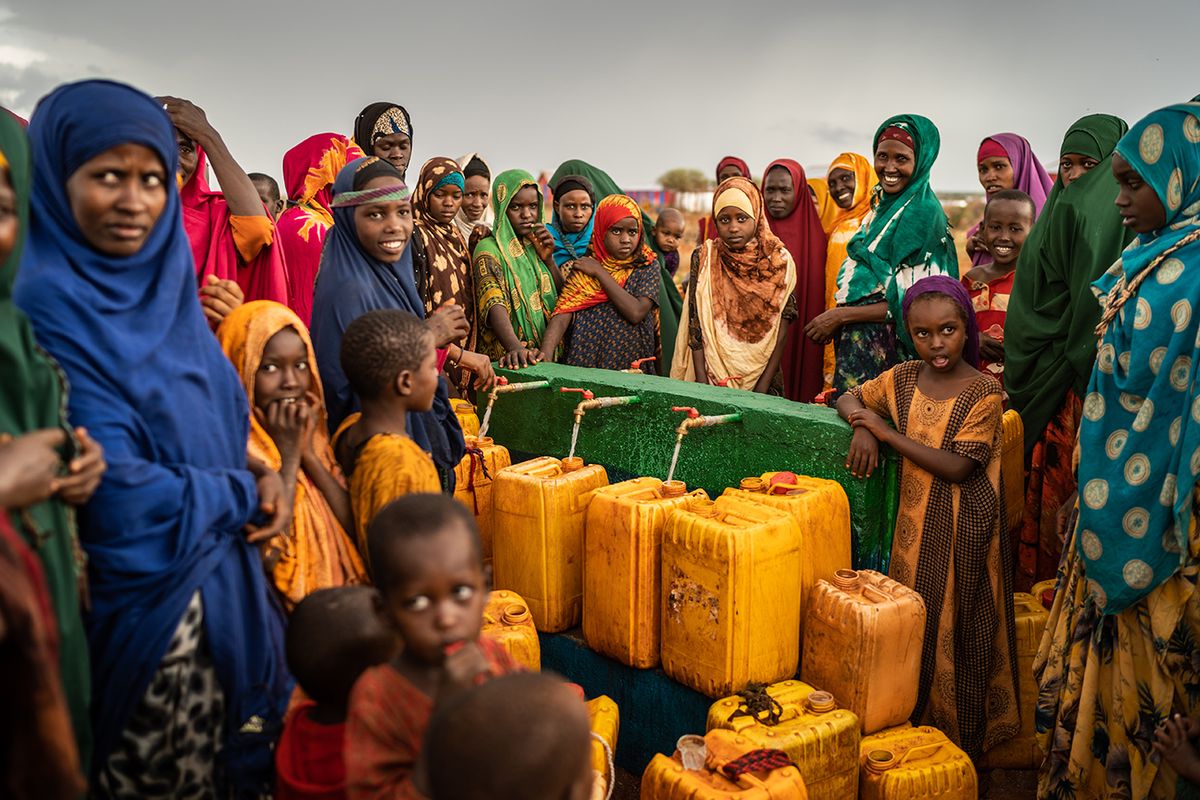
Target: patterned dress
x=950, y=547
x=601, y=338
x=991, y=308
x=863, y=350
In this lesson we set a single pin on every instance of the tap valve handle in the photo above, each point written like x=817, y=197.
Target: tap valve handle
x=638, y=364
x=691, y=412
x=501, y=380
x=587, y=393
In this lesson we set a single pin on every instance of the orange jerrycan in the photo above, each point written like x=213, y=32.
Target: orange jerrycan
x=915, y=764
x=604, y=719
x=467, y=418
x=622, y=567
x=1012, y=467
x=716, y=773
x=1022, y=751
x=823, y=513
x=731, y=602
x=1044, y=592
x=862, y=642
x=821, y=739
x=507, y=621
x=474, y=477
x=538, y=537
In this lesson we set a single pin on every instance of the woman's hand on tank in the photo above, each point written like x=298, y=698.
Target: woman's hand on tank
x=84, y=471
x=990, y=348
x=863, y=457
x=823, y=326
x=219, y=298
x=463, y=668
x=29, y=467
x=480, y=366
x=521, y=357
x=542, y=240
x=273, y=501
x=448, y=324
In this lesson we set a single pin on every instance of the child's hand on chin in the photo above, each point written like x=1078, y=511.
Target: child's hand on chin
x=465, y=666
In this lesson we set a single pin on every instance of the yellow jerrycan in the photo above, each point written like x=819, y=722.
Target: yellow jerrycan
x=474, y=479
x=604, y=718
x=709, y=768
x=730, y=594
x=863, y=634
x=1044, y=592
x=467, y=418
x=823, y=513
x=1022, y=751
x=507, y=621
x=1012, y=467
x=915, y=764
x=622, y=567
x=538, y=537
x=821, y=739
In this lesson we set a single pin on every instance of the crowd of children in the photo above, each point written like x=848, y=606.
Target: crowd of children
x=230, y=564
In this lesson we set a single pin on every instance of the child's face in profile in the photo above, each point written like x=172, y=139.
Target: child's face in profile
x=424, y=382
x=284, y=375
x=668, y=232
x=1006, y=225
x=437, y=594
x=938, y=330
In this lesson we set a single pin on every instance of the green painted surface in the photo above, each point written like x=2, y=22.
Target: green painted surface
x=774, y=435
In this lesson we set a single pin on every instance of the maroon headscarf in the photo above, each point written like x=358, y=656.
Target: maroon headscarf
x=206, y=220
x=804, y=238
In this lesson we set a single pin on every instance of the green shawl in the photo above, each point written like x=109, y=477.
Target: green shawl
x=1049, y=334
x=906, y=238
x=32, y=396
x=527, y=278
x=670, y=302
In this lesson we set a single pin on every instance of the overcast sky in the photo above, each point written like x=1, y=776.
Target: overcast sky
x=634, y=86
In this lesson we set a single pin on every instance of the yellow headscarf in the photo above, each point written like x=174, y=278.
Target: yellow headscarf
x=827, y=210
x=315, y=553
x=864, y=185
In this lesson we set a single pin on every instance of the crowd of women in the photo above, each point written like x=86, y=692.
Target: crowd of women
x=168, y=490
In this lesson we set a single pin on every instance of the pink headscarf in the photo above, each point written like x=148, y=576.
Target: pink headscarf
x=1029, y=176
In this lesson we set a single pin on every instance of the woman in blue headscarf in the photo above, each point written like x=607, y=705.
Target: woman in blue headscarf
x=351, y=282
x=186, y=642
x=1119, y=654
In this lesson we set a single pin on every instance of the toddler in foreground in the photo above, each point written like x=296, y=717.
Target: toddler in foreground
x=426, y=561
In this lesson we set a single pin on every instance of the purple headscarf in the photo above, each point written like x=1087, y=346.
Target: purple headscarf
x=952, y=288
x=1029, y=176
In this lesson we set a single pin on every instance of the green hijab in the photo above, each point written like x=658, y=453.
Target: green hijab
x=670, y=302
x=32, y=396
x=1049, y=338
x=530, y=289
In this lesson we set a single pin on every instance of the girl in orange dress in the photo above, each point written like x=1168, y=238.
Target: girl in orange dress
x=949, y=544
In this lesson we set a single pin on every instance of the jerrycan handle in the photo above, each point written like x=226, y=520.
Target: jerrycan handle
x=932, y=748
x=878, y=596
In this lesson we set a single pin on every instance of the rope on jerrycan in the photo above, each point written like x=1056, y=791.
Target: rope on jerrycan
x=610, y=777
x=759, y=705
x=757, y=761
x=477, y=458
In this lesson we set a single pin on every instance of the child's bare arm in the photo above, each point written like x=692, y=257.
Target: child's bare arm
x=763, y=385
x=556, y=328
x=633, y=309
x=942, y=463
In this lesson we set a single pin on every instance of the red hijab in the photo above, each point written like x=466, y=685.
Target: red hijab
x=803, y=236
x=206, y=220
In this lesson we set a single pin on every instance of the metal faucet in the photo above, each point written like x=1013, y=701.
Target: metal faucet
x=502, y=386
x=591, y=402
x=695, y=420
x=635, y=368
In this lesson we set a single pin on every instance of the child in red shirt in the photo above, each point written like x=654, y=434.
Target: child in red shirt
x=333, y=635
x=426, y=560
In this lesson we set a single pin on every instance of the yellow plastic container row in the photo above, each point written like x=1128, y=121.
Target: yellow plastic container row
x=666, y=779
x=1022, y=752
x=915, y=764
x=820, y=738
x=475, y=476
x=622, y=572
x=540, y=508
x=731, y=595
x=507, y=621
x=862, y=643
x=467, y=418
x=1012, y=467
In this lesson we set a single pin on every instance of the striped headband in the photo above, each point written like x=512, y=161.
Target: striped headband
x=391, y=193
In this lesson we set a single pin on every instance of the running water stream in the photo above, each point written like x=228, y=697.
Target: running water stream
x=675, y=458
x=574, y=436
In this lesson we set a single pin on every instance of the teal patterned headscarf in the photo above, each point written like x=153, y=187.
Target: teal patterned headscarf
x=906, y=238
x=1140, y=436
